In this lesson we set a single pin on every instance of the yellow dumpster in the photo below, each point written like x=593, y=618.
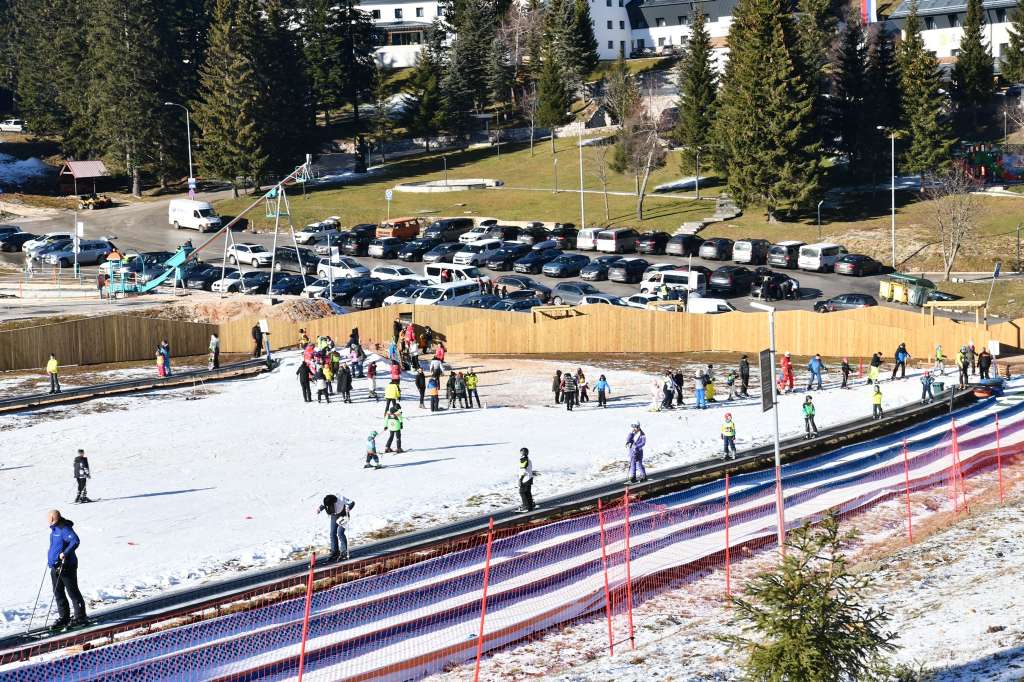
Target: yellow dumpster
x=900, y=294
x=885, y=290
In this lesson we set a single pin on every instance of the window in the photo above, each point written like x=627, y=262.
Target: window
x=929, y=23
x=683, y=20
x=609, y=24
x=954, y=20
x=1003, y=48
x=375, y=14
x=611, y=44
x=1000, y=16
x=622, y=46
x=419, y=11
x=622, y=24
x=607, y=3
x=620, y=3
x=955, y=52
x=659, y=22
x=398, y=13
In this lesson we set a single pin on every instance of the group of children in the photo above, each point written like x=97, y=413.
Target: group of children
x=573, y=389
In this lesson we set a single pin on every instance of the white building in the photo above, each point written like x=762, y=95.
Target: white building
x=942, y=22
x=401, y=26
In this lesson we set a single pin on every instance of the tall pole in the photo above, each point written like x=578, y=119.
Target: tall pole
x=556, y=174
x=583, y=218
x=780, y=510
x=445, y=157
x=892, y=138
x=697, y=177
x=188, y=133
x=819, y=218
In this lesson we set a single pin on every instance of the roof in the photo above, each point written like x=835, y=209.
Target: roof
x=84, y=169
x=932, y=7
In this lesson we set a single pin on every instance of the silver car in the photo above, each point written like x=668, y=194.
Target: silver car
x=91, y=252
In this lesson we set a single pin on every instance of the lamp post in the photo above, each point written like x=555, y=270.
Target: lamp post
x=583, y=219
x=819, y=218
x=556, y=174
x=188, y=134
x=696, y=179
x=892, y=152
x=780, y=510
x=445, y=158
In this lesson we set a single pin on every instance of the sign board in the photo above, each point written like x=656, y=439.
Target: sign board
x=764, y=361
x=388, y=194
x=264, y=326
x=80, y=229
x=993, y=347
x=192, y=183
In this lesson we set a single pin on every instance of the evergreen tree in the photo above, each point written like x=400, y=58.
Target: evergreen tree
x=500, y=73
x=422, y=111
x=358, y=62
x=881, y=100
x=8, y=39
x=560, y=42
x=849, y=95
x=922, y=102
x=621, y=91
x=469, y=53
x=458, y=90
x=286, y=111
x=321, y=32
x=553, y=98
x=228, y=107
x=535, y=39
x=584, y=39
x=765, y=126
x=698, y=89
x=1013, y=59
x=973, y=73
x=816, y=36
x=382, y=112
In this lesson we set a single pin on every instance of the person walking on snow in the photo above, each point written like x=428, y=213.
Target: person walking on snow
x=810, y=427
x=393, y=425
x=963, y=364
x=972, y=357
x=787, y=373
x=875, y=369
x=372, y=460
x=421, y=384
x=728, y=436
x=371, y=376
x=730, y=382
x=668, y=391
x=940, y=361
x=82, y=475
x=392, y=396
x=677, y=378
x=525, y=481
x=876, y=403
x=62, y=560
x=321, y=385
x=984, y=364
x=845, y=369
x=901, y=356
x=926, y=387
x=257, y=341
x=603, y=391
x=53, y=370
x=744, y=377
x=339, y=509
x=165, y=351
x=698, y=391
x=434, y=391
x=556, y=386
x=471, y=388
x=303, y=373
x=460, y=390
x=582, y=386
x=569, y=390
x=345, y=383
x=635, y=442
x=816, y=367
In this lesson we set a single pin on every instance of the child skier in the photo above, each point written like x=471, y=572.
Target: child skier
x=372, y=460
x=728, y=436
x=876, y=403
x=810, y=427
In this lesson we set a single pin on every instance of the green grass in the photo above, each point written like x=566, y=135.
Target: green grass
x=635, y=66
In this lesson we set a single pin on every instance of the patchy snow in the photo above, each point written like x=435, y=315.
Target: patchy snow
x=14, y=171
x=191, y=489
x=688, y=182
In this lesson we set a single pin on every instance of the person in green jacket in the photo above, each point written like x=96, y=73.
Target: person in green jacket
x=809, y=425
x=393, y=425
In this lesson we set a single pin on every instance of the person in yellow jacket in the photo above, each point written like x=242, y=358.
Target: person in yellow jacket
x=876, y=403
x=53, y=368
x=471, y=384
x=329, y=376
x=392, y=394
x=729, y=436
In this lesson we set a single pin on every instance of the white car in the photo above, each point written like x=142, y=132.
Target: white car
x=229, y=283
x=255, y=255
x=34, y=244
x=407, y=294
x=599, y=299
x=393, y=272
x=639, y=300
x=340, y=267
x=12, y=125
x=476, y=253
x=478, y=232
x=314, y=231
x=661, y=267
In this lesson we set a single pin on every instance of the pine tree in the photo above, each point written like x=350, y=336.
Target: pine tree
x=1013, y=59
x=922, y=102
x=881, y=101
x=837, y=636
x=535, y=39
x=816, y=36
x=421, y=114
x=765, y=126
x=553, y=98
x=560, y=42
x=585, y=41
x=849, y=93
x=286, y=111
x=468, y=53
x=698, y=89
x=621, y=91
x=458, y=90
x=228, y=106
x=321, y=32
x=500, y=73
x=973, y=73
x=358, y=63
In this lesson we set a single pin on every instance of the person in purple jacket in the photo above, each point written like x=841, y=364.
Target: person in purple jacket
x=636, y=442
x=63, y=564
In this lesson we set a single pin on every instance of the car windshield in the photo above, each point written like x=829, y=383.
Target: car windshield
x=347, y=262
x=207, y=213
x=431, y=293
x=471, y=272
x=257, y=248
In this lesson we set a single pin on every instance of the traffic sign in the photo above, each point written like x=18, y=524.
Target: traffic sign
x=191, y=183
x=388, y=194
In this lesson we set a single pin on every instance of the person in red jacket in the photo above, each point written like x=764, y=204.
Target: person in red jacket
x=787, y=373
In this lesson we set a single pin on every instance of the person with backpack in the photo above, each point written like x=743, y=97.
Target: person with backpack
x=810, y=428
x=339, y=509
x=635, y=442
x=82, y=476
x=728, y=436
x=372, y=459
x=603, y=391
x=525, y=481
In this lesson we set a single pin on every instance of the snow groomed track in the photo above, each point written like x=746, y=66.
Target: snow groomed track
x=412, y=621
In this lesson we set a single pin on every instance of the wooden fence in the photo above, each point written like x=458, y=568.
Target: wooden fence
x=98, y=340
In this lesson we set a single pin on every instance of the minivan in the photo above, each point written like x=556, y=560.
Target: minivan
x=451, y=293
x=448, y=229
x=196, y=215
x=443, y=273
x=690, y=281
x=619, y=240
x=476, y=253
x=586, y=239
x=400, y=228
x=785, y=254
x=820, y=257
x=750, y=251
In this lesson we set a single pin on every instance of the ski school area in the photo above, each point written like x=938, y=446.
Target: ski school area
x=188, y=490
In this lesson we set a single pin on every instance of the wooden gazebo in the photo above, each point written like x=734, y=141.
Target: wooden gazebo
x=73, y=171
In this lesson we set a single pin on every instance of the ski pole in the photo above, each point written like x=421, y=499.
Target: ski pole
x=57, y=586
x=38, y=592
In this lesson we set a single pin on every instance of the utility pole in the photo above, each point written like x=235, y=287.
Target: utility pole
x=583, y=218
x=779, y=500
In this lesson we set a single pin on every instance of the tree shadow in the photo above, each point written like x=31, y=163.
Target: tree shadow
x=160, y=494
x=414, y=464
x=466, y=445
x=23, y=466
x=981, y=668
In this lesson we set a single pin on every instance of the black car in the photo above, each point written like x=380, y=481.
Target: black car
x=718, y=248
x=597, y=269
x=373, y=295
x=8, y=230
x=385, y=248
x=355, y=244
x=780, y=285
x=533, y=235
x=287, y=285
x=482, y=301
x=344, y=288
x=442, y=253
x=203, y=276
x=683, y=245
x=857, y=265
x=15, y=241
x=652, y=242
x=566, y=265
x=521, y=283
x=734, y=279
x=505, y=233
x=254, y=282
x=534, y=262
x=289, y=258
x=414, y=250
x=564, y=236
x=368, y=230
x=503, y=258
x=845, y=302
x=628, y=270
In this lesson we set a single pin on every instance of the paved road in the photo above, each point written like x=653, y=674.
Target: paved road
x=143, y=227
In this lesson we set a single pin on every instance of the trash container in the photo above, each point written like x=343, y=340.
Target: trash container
x=899, y=292
x=918, y=295
x=938, y=387
x=885, y=290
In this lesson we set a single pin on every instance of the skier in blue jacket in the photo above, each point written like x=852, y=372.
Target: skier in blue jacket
x=816, y=367
x=603, y=391
x=63, y=563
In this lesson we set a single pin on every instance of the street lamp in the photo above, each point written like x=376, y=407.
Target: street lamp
x=819, y=218
x=583, y=218
x=892, y=138
x=556, y=174
x=445, y=158
x=188, y=134
x=780, y=511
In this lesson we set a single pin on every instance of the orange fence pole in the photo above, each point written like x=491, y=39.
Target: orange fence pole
x=607, y=592
x=629, y=578
x=483, y=600
x=305, y=617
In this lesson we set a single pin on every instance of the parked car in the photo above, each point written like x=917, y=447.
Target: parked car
x=8, y=230
x=310, y=233
x=519, y=282
x=91, y=252
x=820, y=257
x=287, y=285
x=533, y=235
x=564, y=237
x=750, y=251
x=295, y=259
x=566, y=265
x=343, y=266
x=617, y=240
x=404, y=295
x=477, y=252
x=415, y=250
x=503, y=258
x=503, y=233
x=392, y=272
x=652, y=242
x=254, y=282
x=373, y=295
x=400, y=228
x=442, y=253
x=474, y=233
x=845, y=302
x=731, y=279
x=204, y=275
x=330, y=243
x=597, y=269
x=385, y=248
x=516, y=305
x=784, y=254
x=586, y=239
x=570, y=293
x=12, y=125
x=188, y=213
x=639, y=300
x=533, y=262
x=356, y=244
x=857, y=265
x=606, y=299
x=683, y=245
x=481, y=301
x=368, y=230
x=40, y=252
x=628, y=270
x=341, y=291
x=44, y=239
x=717, y=248
x=779, y=282
x=448, y=229
x=256, y=255
x=15, y=242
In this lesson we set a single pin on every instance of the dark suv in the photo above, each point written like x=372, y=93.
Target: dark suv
x=415, y=250
x=683, y=245
x=506, y=233
x=628, y=270
x=564, y=236
x=533, y=235
x=734, y=279
x=718, y=248
x=288, y=258
x=356, y=244
x=503, y=258
x=652, y=242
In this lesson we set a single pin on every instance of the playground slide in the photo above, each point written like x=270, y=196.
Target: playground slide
x=173, y=264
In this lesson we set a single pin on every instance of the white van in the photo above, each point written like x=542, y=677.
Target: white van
x=586, y=239
x=820, y=257
x=619, y=240
x=443, y=273
x=452, y=293
x=195, y=215
x=476, y=253
x=709, y=306
x=686, y=280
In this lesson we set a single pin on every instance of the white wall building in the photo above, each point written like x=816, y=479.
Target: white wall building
x=402, y=26
x=943, y=20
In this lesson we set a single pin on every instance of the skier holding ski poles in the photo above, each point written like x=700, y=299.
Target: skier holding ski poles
x=63, y=564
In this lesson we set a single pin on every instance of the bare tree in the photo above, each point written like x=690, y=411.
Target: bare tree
x=528, y=105
x=642, y=152
x=601, y=171
x=955, y=209
x=518, y=27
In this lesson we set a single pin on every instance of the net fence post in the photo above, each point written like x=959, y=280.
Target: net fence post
x=305, y=617
x=483, y=600
x=607, y=592
x=906, y=483
x=999, y=462
x=961, y=484
x=629, y=577
x=728, y=564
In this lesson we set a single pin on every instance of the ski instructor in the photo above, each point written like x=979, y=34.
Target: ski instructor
x=63, y=564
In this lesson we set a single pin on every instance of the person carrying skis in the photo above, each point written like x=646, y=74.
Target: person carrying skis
x=603, y=390
x=744, y=377
x=635, y=442
x=372, y=460
x=62, y=561
x=82, y=475
x=810, y=427
x=876, y=403
x=787, y=372
x=421, y=384
x=728, y=436
x=845, y=369
x=339, y=509
x=525, y=481
x=53, y=369
x=393, y=425
x=471, y=391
